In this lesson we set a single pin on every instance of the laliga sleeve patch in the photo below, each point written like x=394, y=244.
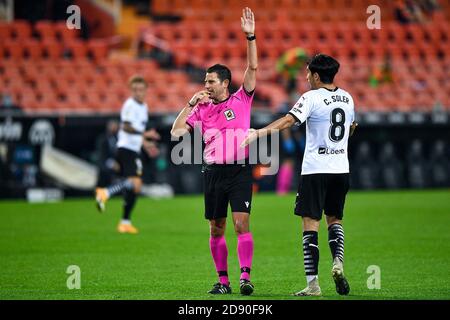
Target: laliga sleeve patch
x=229, y=114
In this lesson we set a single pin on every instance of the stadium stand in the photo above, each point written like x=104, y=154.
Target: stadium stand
x=338, y=28
x=45, y=66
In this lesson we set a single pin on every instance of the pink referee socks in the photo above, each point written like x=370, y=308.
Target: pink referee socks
x=219, y=252
x=245, y=254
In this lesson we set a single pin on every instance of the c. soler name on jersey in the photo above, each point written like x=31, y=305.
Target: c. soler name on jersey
x=337, y=98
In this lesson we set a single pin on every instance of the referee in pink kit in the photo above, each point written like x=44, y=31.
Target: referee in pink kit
x=227, y=173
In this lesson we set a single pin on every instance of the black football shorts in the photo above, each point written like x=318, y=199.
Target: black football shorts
x=227, y=183
x=130, y=163
x=322, y=192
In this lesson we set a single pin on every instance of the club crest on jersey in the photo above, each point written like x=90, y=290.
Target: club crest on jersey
x=229, y=114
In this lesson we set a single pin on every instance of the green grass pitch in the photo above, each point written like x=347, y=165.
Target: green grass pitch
x=405, y=233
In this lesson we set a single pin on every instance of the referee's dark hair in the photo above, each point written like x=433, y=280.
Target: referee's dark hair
x=223, y=73
x=325, y=66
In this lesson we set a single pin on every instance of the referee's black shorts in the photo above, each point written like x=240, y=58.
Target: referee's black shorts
x=130, y=163
x=322, y=192
x=227, y=183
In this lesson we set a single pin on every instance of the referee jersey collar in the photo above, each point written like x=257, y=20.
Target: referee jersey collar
x=228, y=98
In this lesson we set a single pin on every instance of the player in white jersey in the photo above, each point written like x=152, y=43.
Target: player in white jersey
x=132, y=136
x=329, y=115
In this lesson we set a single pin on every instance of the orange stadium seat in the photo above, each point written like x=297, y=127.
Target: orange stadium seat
x=21, y=29
x=444, y=49
x=119, y=89
x=45, y=30
x=52, y=48
x=47, y=100
x=25, y=90
x=65, y=34
x=28, y=100
x=113, y=78
x=3, y=81
x=73, y=100
x=2, y=51
x=101, y=84
x=50, y=74
x=45, y=86
x=33, y=49
x=14, y=49
x=428, y=52
x=14, y=87
x=5, y=31
x=98, y=48
x=31, y=74
x=111, y=103
x=85, y=64
x=161, y=7
x=394, y=50
x=86, y=76
x=93, y=100
x=77, y=49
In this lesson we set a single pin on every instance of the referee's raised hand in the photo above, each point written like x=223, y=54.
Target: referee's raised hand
x=248, y=21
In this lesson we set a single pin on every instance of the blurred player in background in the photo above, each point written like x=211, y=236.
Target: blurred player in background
x=215, y=109
x=132, y=137
x=324, y=181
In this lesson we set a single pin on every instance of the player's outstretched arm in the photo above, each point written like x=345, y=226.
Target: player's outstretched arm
x=280, y=124
x=248, y=27
x=180, y=127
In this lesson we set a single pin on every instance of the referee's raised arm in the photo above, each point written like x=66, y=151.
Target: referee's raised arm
x=248, y=27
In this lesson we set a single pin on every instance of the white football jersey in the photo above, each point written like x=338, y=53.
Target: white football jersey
x=137, y=115
x=328, y=115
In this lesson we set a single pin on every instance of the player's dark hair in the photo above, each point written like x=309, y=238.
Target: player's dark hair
x=223, y=73
x=325, y=66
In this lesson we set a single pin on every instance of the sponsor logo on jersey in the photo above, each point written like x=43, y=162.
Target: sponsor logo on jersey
x=295, y=109
x=324, y=150
x=229, y=114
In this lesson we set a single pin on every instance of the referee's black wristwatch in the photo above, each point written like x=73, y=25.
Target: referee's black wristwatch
x=251, y=38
